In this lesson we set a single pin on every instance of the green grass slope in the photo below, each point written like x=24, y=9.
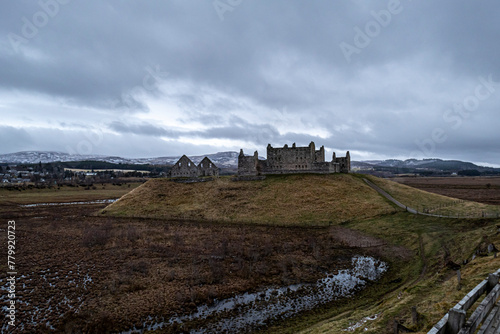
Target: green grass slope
x=424, y=281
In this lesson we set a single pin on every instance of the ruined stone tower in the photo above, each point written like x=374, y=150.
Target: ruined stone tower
x=289, y=160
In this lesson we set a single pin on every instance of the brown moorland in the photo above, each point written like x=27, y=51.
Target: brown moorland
x=81, y=272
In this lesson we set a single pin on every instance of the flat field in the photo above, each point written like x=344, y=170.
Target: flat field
x=11, y=197
x=479, y=189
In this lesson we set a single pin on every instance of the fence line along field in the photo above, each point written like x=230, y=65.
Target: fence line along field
x=433, y=203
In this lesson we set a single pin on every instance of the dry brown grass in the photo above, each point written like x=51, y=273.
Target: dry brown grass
x=290, y=199
x=147, y=267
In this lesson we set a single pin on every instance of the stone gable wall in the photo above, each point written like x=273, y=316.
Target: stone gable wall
x=207, y=168
x=184, y=167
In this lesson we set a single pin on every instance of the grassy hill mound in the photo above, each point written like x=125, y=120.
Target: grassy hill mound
x=303, y=199
x=283, y=199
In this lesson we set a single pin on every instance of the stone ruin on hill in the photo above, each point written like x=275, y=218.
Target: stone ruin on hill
x=184, y=167
x=290, y=160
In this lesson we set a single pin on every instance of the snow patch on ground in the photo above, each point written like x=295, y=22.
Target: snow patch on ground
x=360, y=323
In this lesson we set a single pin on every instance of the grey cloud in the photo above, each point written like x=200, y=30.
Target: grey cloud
x=15, y=139
x=258, y=134
x=264, y=57
x=144, y=129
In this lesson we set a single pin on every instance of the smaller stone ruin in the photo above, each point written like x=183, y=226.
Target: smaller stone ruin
x=184, y=167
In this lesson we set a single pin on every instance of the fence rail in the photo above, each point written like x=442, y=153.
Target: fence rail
x=485, y=316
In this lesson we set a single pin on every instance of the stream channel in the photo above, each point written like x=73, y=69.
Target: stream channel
x=248, y=311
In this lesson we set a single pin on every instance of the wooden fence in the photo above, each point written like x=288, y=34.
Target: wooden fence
x=485, y=316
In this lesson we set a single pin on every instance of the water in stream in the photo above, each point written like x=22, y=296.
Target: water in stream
x=99, y=201
x=253, y=310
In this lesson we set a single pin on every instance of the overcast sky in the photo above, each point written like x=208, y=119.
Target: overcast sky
x=382, y=79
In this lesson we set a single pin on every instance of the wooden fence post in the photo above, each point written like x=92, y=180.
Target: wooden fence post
x=456, y=320
x=492, y=281
x=414, y=315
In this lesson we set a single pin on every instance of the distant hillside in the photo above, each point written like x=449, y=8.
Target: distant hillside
x=425, y=166
x=221, y=159
x=34, y=157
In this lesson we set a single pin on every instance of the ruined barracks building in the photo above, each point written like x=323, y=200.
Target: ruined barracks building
x=184, y=167
x=287, y=160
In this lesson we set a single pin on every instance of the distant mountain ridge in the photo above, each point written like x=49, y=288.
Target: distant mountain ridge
x=221, y=159
x=229, y=159
x=425, y=164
